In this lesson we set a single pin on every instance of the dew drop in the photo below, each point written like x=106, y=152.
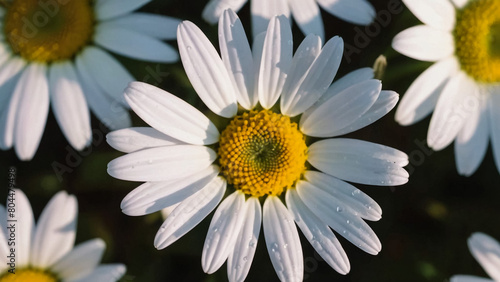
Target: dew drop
x=245, y=259
x=348, y=221
x=356, y=192
x=285, y=245
x=340, y=209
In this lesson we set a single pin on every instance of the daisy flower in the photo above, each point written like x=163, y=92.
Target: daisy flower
x=55, y=51
x=44, y=252
x=262, y=154
x=486, y=251
x=306, y=13
x=463, y=86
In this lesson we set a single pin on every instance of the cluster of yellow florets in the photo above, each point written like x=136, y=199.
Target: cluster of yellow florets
x=262, y=153
x=31, y=275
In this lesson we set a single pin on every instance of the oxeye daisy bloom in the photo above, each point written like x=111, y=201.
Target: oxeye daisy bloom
x=44, y=252
x=54, y=52
x=263, y=154
x=463, y=86
x=486, y=251
x=306, y=14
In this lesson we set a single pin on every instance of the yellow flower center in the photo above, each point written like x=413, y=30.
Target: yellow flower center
x=262, y=153
x=48, y=31
x=28, y=275
x=477, y=40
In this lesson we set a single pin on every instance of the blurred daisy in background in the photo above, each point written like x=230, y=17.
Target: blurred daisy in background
x=55, y=51
x=262, y=153
x=45, y=251
x=486, y=251
x=463, y=86
x=305, y=12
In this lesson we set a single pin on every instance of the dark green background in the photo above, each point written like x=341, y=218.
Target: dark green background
x=425, y=223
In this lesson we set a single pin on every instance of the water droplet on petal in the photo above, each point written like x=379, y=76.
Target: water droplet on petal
x=340, y=209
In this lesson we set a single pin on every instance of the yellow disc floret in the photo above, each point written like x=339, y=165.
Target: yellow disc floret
x=28, y=275
x=48, y=31
x=262, y=153
x=477, y=40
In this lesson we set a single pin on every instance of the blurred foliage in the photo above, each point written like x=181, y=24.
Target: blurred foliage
x=425, y=223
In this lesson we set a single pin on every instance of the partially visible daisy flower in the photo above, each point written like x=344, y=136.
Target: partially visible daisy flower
x=44, y=252
x=306, y=13
x=486, y=251
x=463, y=86
x=56, y=51
x=262, y=154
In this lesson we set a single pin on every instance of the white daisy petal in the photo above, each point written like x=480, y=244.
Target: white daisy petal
x=318, y=78
x=350, y=198
x=439, y=14
x=422, y=95
x=31, y=115
x=424, y=43
x=109, y=111
x=55, y=230
x=223, y=232
x=26, y=229
x=205, y=70
x=240, y=259
x=264, y=10
x=154, y=196
x=350, y=226
x=257, y=49
x=486, y=251
x=170, y=114
x=237, y=58
x=457, y=101
x=133, y=139
x=472, y=140
x=494, y=116
x=80, y=261
x=308, y=17
x=69, y=105
x=318, y=233
x=276, y=61
x=162, y=163
x=386, y=101
x=109, y=74
x=189, y=213
x=108, y=9
x=469, y=278
x=133, y=44
x=353, y=11
x=341, y=110
x=459, y=3
x=215, y=8
x=359, y=161
x=282, y=240
x=157, y=26
x=104, y=272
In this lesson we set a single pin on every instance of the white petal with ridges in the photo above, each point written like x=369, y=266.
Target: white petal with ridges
x=113, y=8
x=422, y=95
x=353, y=11
x=494, y=116
x=189, y=213
x=424, y=43
x=318, y=233
x=237, y=57
x=215, y=8
x=317, y=80
x=308, y=17
x=104, y=272
x=154, y=196
x=33, y=108
x=439, y=14
x=341, y=109
x=359, y=161
x=469, y=278
x=276, y=61
x=348, y=225
x=170, y=114
x=486, y=250
x=282, y=240
x=162, y=163
x=55, y=230
x=205, y=70
x=223, y=232
x=157, y=26
x=133, y=139
x=264, y=10
x=69, y=104
x=240, y=259
x=80, y=261
x=25, y=229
